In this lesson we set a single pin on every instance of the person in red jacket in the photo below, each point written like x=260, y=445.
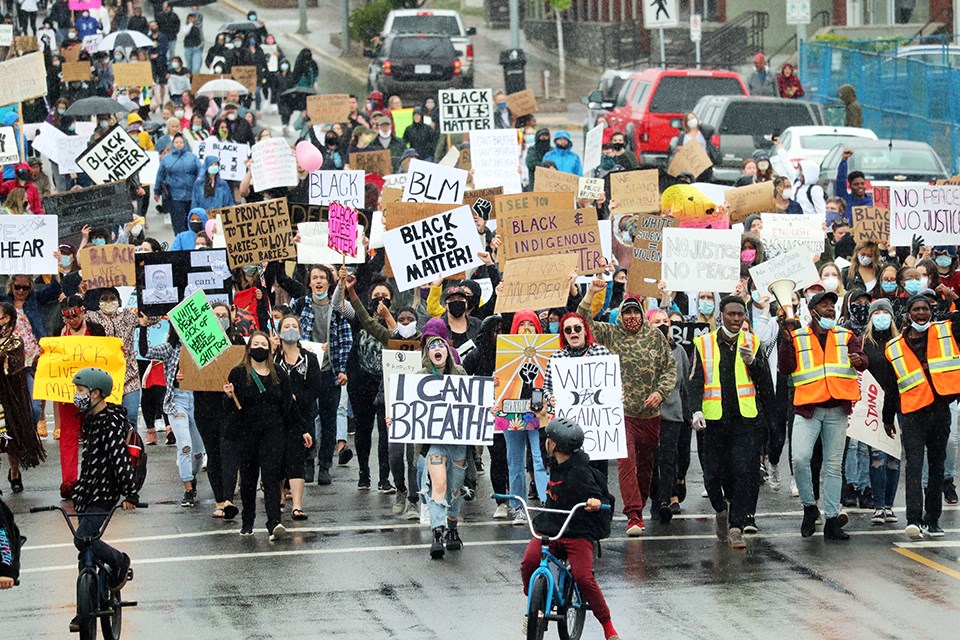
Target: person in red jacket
x=23, y=181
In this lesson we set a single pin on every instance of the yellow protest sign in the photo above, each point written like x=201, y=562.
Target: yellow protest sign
x=63, y=356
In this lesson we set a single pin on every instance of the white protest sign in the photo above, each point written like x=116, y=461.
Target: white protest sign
x=148, y=175
x=273, y=164
x=396, y=362
x=27, y=244
x=590, y=188
x=6, y=35
x=441, y=409
x=377, y=228
x=591, y=148
x=22, y=78
x=866, y=421
x=92, y=42
x=68, y=149
x=783, y=232
x=113, y=158
x=796, y=265
x=463, y=110
x=396, y=180
x=84, y=128
x=345, y=187
x=438, y=246
x=930, y=212
x=701, y=259
x=232, y=156
x=313, y=249
x=495, y=159
x=589, y=391
x=47, y=140
x=9, y=149
x=429, y=182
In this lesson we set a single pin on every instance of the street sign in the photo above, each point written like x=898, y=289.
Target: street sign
x=696, y=27
x=661, y=14
x=798, y=11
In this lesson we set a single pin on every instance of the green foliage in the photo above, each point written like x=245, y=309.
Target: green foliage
x=366, y=21
x=560, y=5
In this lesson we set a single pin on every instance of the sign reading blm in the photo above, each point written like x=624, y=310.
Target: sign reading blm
x=113, y=158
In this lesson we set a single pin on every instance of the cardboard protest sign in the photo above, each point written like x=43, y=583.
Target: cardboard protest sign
x=635, y=191
x=429, y=182
x=433, y=248
x=522, y=103
x=753, y=198
x=305, y=213
x=690, y=158
x=881, y=197
x=273, y=165
x=232, y=156
x=866, y=421
x=198, y=328
x=75, y=72
x=592, y=148
x=378, y=162
x=345, y=187
x=539, y=282
x=481, y=201
x=521, y=362
x=495, y=155
x=9, y=149
x=783, y=232
x=397, y=361
x=101, y=206
x=22, y=78
x=701, y=259
x=328, y=108
x=314, y=246
x=113, y=158
x=589, y=391
x=930, y=212
x=245, y=75
x=24, y=44
x=683, y=333
x=197, y=80
x=71, y=54
x=110, y=265
x=258, y=232
x=167, y=277
x=796, y=264
x=463, y=110
x=133, y=74
x=27, y=244
x=214, y=375
x=552, y=181
x=63, y=356
x=643, y=274
x=590, y=188
x=403, y=345
x=342, y=229
x=871, y=224
x=441, y=409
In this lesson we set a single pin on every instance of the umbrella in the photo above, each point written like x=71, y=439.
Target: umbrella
x=221, y=87
x=190, y=3
x=296, y=98
x=94, y=106
x=233, y=27
x=125, y=40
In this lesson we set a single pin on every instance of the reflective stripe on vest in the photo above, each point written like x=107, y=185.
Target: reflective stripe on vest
x=821, y=376
x=712, y=407
x=912, y=383
x=946, y=358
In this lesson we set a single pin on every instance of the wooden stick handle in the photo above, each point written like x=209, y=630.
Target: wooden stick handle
x=237, y=402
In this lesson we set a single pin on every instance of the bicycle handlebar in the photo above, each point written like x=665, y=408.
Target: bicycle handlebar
x=73, y=530
x=527, y=509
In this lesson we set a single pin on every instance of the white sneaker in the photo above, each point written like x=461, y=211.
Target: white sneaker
x=794, y=492
x=913, y=532
x=502, y=513
x=519, y=518
x=704, y=494
x=424, y=514
x=279, y=533
x=203, y=465
x=773, y=476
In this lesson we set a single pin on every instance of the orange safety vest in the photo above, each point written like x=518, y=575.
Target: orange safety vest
x=821, y=376
x=943, y=365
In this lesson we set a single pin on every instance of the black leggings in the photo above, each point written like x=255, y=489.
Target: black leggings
x=499, y=477
x=261, y=457
x=151, y=404
x=365, y=414
x=209, y=415
x=28, y=17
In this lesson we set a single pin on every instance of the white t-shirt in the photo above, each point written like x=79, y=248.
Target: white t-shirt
x=29, y=5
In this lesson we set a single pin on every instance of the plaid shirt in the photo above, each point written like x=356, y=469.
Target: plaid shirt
x=340, y=338
x=596, y=349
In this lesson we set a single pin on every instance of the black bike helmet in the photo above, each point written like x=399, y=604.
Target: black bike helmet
x=566, y=434
x=93, y=378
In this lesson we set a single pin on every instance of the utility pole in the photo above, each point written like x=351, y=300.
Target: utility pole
x=514, y=24
x=345, y=29
x=302, y=10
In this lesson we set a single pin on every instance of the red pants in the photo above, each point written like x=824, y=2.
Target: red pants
x=580, y=554
x=68, y=417
x=636, y=470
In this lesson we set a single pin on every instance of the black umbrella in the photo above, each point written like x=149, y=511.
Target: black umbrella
x=190, y=3
x=296, y=98
x=234, y=27
x=94, y=106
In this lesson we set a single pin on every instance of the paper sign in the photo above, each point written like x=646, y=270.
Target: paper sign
x=753, y=198
x=481, y=201
x=871, y=224
x=110, y=265
x=245, y=75
x=273, y=165
x=429, y=182
x=522, y=103
x=643, y=274
x=701, y=259
x=167, y=277
x=463, y=110
x=495, y=155
x=257, y=232
x=99, y=207
x=213, y=376
x=441, y=409
x=690, y=158
x=69, y=149
x=345, y=187
x=314, y=248
x=551, y=181
x=589, y=391
x=22, y=78
x=402, y=118
x=64, y=356
x=881, y=197
x=635, y=191
x=536, y=283
x=199, y=79
x=232, y=156
x=396, y=362
x=930, y=212
x=148, y=175
x=378, y=162
x=592, y=148
x=521, y=362
x=92, y=42
x=113, y=158
x=6, y=35
x=27, y=244
x=796, y=264
x=866, y=421
x=9, y=149
x=75, y=72
x=783, y=232
x=590, y=188
x=133, y=74
x=342, y=229
x=201, y=333
x=328, y=108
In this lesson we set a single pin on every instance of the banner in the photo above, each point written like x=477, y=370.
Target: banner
x=27, y=244
x=342, y=230
x=84, y=5
x=133, y=74
x=396, y=362
x=635, y=191
x=522, y=360
x=931, y=212
x=99, y=207
x=495, y=155
x=199, y=329
x=167, y=277
x=273, y=165
x=522, y=103
x=257, y=232
x=643, y=274
x=213, y=376
x=113, y=158
x=378, y=162
x=329, y=108
x=871, y=224
x=552, y=181
x=429, y=182
x=589, y=391
x=463, y=110
x=345, y=187
x=783, y=232
x=866, y=419
x=22, y=78
x=796, y=265
x=592, y=148
x=245, y=75
x=441, y=409
x=540, y=282
x=63, y=356
x=701, y=259
x=110, y=265
x=232, y=156
x=690, y=158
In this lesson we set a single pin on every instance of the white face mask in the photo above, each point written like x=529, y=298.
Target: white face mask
x=788, y=194
x=924, y=282
x=136, y=229
x=693, y=123
x=407, y=330
x=830, y=283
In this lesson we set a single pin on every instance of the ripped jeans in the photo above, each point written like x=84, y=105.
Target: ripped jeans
x=884, y=478
x=190, y=447
x=453, y=459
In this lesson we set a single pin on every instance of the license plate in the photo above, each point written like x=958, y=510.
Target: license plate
x=421, y=68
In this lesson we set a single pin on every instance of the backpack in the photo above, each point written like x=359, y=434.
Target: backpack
x=602, y=520
x=138, y=456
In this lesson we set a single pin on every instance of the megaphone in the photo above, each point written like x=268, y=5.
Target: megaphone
x=783, y=290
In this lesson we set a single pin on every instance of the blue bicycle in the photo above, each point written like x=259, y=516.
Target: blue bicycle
x=552, y=594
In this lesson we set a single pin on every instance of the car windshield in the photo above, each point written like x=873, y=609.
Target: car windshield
x=745, y=117
x=679, y=94
x=445, y=25
x=895, y=161
x=422, y=48
x=823, y=142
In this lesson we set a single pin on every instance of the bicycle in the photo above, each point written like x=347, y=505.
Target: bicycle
x=95, y=599
x=548, y=593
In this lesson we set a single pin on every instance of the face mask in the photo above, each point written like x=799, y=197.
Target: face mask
x=501, y=105
x=865, y=261
x=755, y=295
x=224, y=323
x=71, y=35
x=290, y=336
x=61, y=111
x=178, y=113
x=231, y=117
x=175, y=65
x=375, y=304
x=386, y=133
x=920, y=327
x=284, y=67
x=99, y=242
x=104, y=124
x=632, y=323
x=196, y=127
x=788, y=194
x=944, y=262
x=213, y=169
x=22, y=175
x=530, y=139
x=830, y=283
x=607, y=163
x=911, y=286
x=259, y=354
x=554, y=327
x=763, y=165
x=457, y=308
x=196, y=226
x=705, y=307
x=136, y=229
x=924, y=282
x=64, y=261
x=693, y=123
x=859, y=313
x=320, y=298
x=881, y=321
x=747, y=256
x=81, y=402
x=407, y=330
x=251, y=270
x=109, y=308
x=728, y=333
x=888, y=287
x=561, y=143
x=237, y=44
x=826, y=323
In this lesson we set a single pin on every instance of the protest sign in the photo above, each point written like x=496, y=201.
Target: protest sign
x=782, y=232
x=199, y=79
x=133, y=74
x=540, y=282
x=9, y=149
x=273, y=165
x=328, y=108
x=589, y=391
x=635, y=191
x=378, y=162
x=167, y=277
x=110, y=265
x=866, y=421
x=521, y=362
x=22, y=78
x=552, y=181
x=396, y=362
x=62, y=357
x=796, y=264
x=429, y=182
x=27, y=244
x=643, y=274
x=403, y=345
x=102, y=206
x=92, y=42
x=545, y=227
x=305, y=213
x=463, y=160
x=463, y=110
x=314, y=246
x=701, y=259
x=214, y=375
x=438, y=246
x=69, y=149
x=683, y=333
x=871, y=224
x=451, y=158
x=245, y=75
x=591, y=148
x=930, y=212
x=522, y=103
x=402, y=118
x=693, y=206
x=345, y=187
x=6, y=35
x=113, y=158
x=46, y=139
x=199, y=329
x=495, y=155
x=590, y=188
x=84, y=5
x=753, y=198
x=342, y=229
x=395, y=181
x=690, y=158
x=257, y=232
x=75, y=72
x=71, y=53
x=148, y=175
x=441, y=409
x=232, y=156
x=881, y=197
x=481, y=201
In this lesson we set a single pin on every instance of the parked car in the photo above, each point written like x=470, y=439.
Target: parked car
x=601, y=100
x=743, y=124
x=415, y=66
x=811, y=144
x=944, y=55
x=884, y=162
x=651, y=103
x=436, y=22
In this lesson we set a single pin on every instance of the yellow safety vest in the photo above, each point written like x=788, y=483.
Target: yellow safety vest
x=708, y=348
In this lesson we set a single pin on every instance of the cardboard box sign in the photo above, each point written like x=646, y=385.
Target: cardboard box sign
x=522, y=103
x=258, y=232
x=644, y=275
x=213, y=376
x=536, y=283
x=133, y=74
x=690, y=158
x=245, y=75
x=329, y=108
x=753, y=198
x=378, y=162
x=871, y=224
x=75, y=72
x=553, y=181
x=635, y=191
x=199, y=79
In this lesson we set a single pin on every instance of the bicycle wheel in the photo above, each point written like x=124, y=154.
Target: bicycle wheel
x=87, y=604
x=110, y=624
x=573, y=613
x=537, y=613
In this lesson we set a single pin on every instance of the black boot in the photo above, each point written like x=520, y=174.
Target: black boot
x=452, y=538
x=832, y=530
x=436, y=549
x=809, y=525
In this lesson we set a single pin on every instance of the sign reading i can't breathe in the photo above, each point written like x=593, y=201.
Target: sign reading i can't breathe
x=113, y=158
x=441, y=409
x=463, y=110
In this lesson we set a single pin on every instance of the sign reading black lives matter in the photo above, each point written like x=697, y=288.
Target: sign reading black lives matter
x=463, y=110
x=113, y=158
x=441, y=409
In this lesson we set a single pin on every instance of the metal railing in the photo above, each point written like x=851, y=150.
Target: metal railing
x=731, y=44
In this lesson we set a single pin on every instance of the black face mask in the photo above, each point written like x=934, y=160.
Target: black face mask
x=457, y=308
x=196, y=226
x=259, y=354
x=859, y=313
x=542, y=145
x=665, y=330
x=23, y=174
x=375, y=304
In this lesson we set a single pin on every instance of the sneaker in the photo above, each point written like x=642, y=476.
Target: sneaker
x=949, y=491
x=189, y=499
x=519, y=518
x=675, y=508
x=532, y=492
x=400, y=503
x=171, y=439
x=763, y=474
x=246, y=530
x=704, y=494
x=385, y=488
x=345, y=456
x=203, y=464
x=151, y=437
x=665, y=514
x=635, y=527
x=323, y=477
x=735, y=539
x=452, y=540
x=279, y=533
x=42, y=428
x=750, y=525
x=773, y=476
x=913, y=532
x=363, y=484
x=436, y=549
x=878, y=517
x=479, y=465
x=424, y=514
x=865, y=498
x=849, y=496
x=411, y=511
x=888, y=515
x=794, y=492
x=121, y=575
x=502, y=512
x=722, y=523
x=467, y=493
x=933, y=530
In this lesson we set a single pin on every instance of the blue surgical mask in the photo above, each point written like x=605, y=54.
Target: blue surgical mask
x=888, y=287
x=213, y=169
x=501, y=105
x=554, y=327
x=911, y=286
x=920, y=327
x=826, y=323
x=98, y=242
x=706, y=307
x=197, y=127
x=944, y=261
x=64, y=261
x=530, y=139
x=320, y=298
x=755, y=295
x=881, y=321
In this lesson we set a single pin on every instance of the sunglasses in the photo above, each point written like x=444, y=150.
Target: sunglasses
x=436, y=346
x=22, y=287
x=71, y=313
x=577, y=328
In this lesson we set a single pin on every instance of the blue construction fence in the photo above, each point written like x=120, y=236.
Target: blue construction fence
x=901, y=98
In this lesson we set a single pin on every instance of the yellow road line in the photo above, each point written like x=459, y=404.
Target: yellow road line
x=916, y=557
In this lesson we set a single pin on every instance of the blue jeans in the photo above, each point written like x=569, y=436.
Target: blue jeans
x=884, y=478
x=131, y=404
x=326, y=421
x=37, y=404
x=89, y=526
x=517, y=442
x=454, y=459
x=178, y=213
x=857, y=468
x=832, y=424
x=191, y=449
x=193, y=58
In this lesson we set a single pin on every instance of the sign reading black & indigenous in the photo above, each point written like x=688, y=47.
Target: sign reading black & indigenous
x=113, y=158
x=441, y=409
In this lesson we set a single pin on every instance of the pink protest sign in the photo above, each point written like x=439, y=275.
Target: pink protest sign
x=85, y=5
x=342, y=236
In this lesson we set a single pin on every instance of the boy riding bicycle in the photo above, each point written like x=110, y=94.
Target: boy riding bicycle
x=572, y=481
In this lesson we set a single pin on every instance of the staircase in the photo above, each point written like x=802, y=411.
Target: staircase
x=726, y=47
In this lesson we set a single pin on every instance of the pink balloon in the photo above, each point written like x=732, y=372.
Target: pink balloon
x=211, y=227
x=308, y=156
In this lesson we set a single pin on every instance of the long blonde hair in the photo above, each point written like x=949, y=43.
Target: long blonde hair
x=868, y=332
